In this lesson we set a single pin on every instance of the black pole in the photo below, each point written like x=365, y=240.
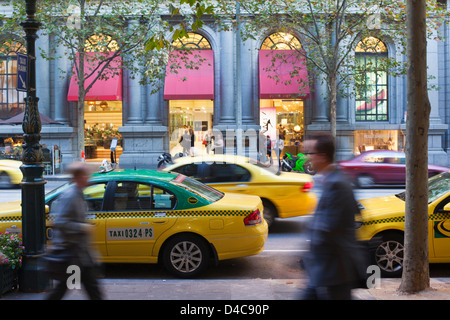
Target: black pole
x=32, y=276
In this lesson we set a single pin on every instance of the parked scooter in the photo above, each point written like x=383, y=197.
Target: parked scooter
x=298, y=163
x=166, y=158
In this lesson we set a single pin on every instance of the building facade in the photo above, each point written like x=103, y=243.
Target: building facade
x=233, y=88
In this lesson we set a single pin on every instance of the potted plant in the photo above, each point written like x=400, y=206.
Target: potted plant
x=11, y=250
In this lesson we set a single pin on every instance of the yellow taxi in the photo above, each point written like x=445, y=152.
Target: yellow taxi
x=146, y=216
x=284, y=194
x=10, y=174
x=382, y=224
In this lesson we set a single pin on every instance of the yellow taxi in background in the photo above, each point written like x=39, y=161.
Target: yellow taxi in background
x=146, y=216
x=10, y=174
x=284, y=194
x=383, y=224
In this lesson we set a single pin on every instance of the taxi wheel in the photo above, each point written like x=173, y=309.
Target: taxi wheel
x=389, y=253
x=269, y=213
x=185, y=256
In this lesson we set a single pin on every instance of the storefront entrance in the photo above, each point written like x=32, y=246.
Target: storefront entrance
x=189, y=117
x=283, y=118
x=102, y=122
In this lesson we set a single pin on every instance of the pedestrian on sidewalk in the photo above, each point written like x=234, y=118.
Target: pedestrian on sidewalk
x=269, y=149
x=333, y=263
x=279, y=145
x=72, y=236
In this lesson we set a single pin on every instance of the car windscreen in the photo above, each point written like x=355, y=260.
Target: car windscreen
x=437, y=187
x=198, y=188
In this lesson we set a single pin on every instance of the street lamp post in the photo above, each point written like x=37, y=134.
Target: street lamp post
x=32, y=276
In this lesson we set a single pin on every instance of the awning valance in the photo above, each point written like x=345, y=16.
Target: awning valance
x=282, y=75
x=190, y=76
x=109, y=89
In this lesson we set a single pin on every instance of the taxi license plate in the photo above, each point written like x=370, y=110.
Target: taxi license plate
x=130, y=233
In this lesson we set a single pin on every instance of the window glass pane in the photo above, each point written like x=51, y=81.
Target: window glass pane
x=11, y=101
x=94, y=195
x=281, y=41
x=228, y=172
x=371, y=81
x=189, y=170
x=200, y=189
x=194, y=41
x=139, y=196
x=126, y=196
x=163, y=199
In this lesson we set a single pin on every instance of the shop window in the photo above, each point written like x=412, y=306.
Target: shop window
x=368, y=140
x=102, y=118
x=283, y=117
x=11, y=101
x=190, y=112
x=371, y=80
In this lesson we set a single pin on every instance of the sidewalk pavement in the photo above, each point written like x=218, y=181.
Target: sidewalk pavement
x=236, y=289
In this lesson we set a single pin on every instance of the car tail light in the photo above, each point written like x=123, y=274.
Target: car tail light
x=307, y=187
x=253, y=218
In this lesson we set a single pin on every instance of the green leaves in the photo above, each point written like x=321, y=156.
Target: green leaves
x=11, y=250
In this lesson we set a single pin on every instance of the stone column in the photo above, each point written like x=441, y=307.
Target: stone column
x=62, y=74
x=226, y=78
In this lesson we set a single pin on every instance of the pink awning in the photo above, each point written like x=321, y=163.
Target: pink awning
x=190, y=76
x=103, y=89
x=276, y=68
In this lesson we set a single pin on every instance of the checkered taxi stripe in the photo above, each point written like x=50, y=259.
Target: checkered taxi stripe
x=149, y=214
x=433, y=217
x=10, y=219
x=172, y=214
x=156, y=214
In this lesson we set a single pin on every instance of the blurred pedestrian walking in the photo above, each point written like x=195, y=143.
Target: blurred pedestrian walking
x=279, y=145
x=72, y=236
x=334, y=263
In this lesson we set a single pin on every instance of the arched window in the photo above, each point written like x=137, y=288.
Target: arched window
x=281, y=41
x=371, y=80
x=101, y=43
x=195, y=41
x=11, y=101
x=283, y=87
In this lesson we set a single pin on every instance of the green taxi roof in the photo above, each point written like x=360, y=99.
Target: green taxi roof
x=138, y=175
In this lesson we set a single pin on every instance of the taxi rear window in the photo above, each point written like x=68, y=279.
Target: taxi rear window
x=198, y=188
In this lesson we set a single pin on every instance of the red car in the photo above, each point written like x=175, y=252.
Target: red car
x=381, y=167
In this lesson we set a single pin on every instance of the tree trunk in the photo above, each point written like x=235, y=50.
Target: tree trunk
x=80, y=107
x=333, y=100
x=416, y=266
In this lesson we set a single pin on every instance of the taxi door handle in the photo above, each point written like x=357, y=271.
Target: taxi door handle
x=160, y=221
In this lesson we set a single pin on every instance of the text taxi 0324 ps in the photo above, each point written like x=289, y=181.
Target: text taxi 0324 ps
x=146, y=216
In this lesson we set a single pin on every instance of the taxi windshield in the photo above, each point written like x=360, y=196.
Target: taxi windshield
x=198, y=188
x=437, y=187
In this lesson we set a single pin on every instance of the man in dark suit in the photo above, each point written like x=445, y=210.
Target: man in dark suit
x=72, y=234
x=332, y=261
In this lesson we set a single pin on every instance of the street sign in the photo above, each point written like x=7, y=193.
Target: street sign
x=22, y=72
